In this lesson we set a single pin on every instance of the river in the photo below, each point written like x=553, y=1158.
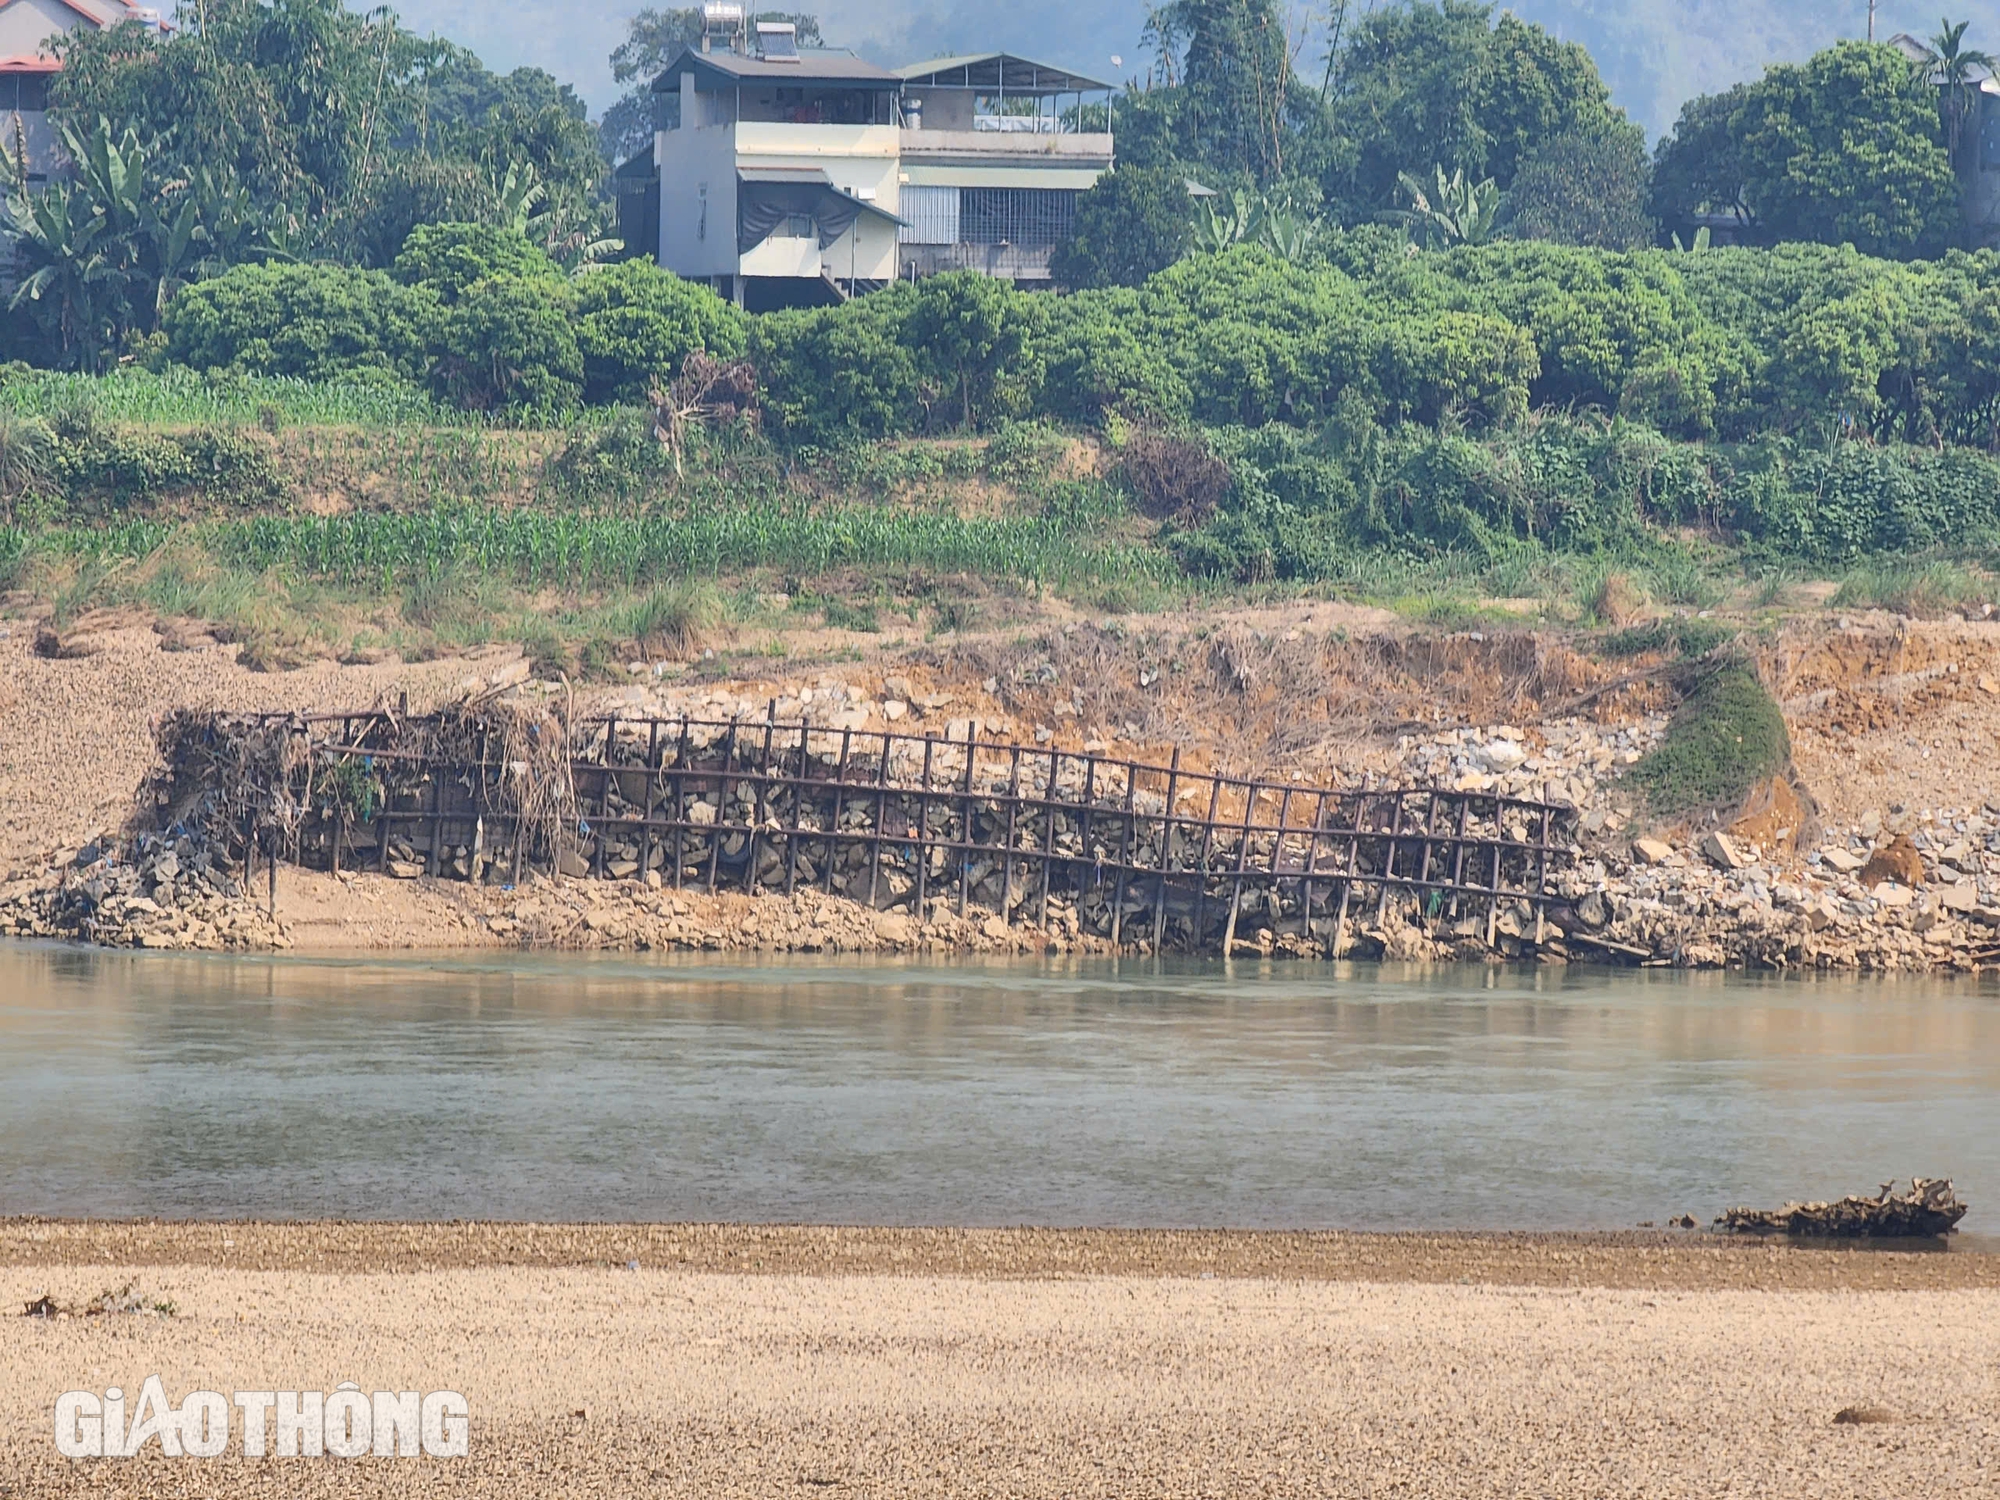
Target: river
x=560, y=1087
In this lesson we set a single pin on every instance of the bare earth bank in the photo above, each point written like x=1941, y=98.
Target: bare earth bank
x=748, y=1361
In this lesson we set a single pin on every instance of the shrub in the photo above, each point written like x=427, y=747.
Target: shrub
x=636, y=323
x=310, y=322
x=450, y=258
x=1129, y=224
x=510, y=343
x=1728, y=735
x=105, y=470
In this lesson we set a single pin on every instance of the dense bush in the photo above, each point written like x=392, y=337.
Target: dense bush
x=510, y=341
x=311, y=322
x=449, y=258
x=637, y=323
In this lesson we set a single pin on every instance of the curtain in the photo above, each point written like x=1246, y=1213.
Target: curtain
x=762, y=206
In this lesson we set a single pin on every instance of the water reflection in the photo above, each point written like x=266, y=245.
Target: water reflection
x=562, y=1087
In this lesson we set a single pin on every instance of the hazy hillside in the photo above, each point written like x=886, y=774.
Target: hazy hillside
x=1654, y=52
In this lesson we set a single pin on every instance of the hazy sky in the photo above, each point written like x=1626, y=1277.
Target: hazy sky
x=1654, y=53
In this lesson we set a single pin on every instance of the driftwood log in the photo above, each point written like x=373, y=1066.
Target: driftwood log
x=1928, y=1211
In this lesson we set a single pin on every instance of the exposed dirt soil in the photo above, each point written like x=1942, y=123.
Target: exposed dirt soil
x=1884, y=713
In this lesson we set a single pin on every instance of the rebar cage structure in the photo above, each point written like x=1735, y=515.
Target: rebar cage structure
x=1157, y=857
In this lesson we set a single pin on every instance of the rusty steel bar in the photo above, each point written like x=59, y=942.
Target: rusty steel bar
x=800, y=791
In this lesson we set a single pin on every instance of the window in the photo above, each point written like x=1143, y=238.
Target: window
x=24, y=91
x=1016, y=216
x=796, y=227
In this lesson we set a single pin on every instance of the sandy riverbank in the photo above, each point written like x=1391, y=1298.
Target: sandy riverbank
x=742, y=1361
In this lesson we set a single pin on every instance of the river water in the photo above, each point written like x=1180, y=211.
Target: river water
x=1063, y=1093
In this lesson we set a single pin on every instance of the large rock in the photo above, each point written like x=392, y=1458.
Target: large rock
x=1897, y=861
x=1652, y=851
x=1722, y=851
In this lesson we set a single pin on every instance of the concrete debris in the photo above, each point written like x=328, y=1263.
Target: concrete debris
x=1929, y=1210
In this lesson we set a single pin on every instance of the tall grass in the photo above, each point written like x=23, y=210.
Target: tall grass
x=1924, y=587
x=182, y=397
x=586, y=550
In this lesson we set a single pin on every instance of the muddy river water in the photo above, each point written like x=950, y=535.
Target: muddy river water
x=1061, y=1093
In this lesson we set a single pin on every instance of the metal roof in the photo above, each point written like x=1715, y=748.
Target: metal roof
x=997, y=71
x=811, y=177
x=812, y=66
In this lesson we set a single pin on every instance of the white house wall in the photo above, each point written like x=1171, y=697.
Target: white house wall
x=698, y=200
x=26, y=24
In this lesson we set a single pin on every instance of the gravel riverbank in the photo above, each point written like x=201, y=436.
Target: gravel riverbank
x=1030, y=1363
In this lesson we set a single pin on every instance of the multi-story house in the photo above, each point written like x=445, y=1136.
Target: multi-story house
x=788, y=175
x=28, y=28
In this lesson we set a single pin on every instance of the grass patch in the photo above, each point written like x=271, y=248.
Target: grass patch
x=675, y=619
x=1728, y=735
x=1923, y=588
x=1684, y=638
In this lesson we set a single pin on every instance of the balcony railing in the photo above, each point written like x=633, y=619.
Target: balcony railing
x=1009, y=145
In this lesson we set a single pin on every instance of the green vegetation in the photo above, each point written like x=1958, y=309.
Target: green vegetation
x=330, y=316
x=1728, y=735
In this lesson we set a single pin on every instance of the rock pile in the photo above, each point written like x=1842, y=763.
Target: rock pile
x=156, y=892
x=1929, y=1210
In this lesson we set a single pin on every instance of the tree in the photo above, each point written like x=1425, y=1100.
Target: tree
x=1810, y=174
x=297, y=98
x=1698, y=169
x=1129, y=224
x=1237, y=73
x=654, y=38
x=449, y=258
x=1583, y=190
x=968, y=327
x=510, y=343
x=524, y=120
x=103, y=250
x=413, y=190
x=1534, y=89
x=1437, y=83
x=636, y=324
x=311, y=322
x=1949, y=64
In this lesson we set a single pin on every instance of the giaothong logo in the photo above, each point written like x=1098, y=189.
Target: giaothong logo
x=347, y=1423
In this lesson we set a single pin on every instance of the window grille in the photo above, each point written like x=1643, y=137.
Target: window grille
x=1016, y=216
x=929, y=214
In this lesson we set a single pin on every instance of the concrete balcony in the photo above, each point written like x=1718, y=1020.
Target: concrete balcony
x=782, y=138
x=1006, y=148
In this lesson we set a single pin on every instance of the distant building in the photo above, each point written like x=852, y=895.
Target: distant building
x=28, y=28
x=1978, y=164
x=785, y=175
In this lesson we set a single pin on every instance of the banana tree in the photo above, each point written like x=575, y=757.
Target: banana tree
x=1275, y=220
x=1453, y=211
